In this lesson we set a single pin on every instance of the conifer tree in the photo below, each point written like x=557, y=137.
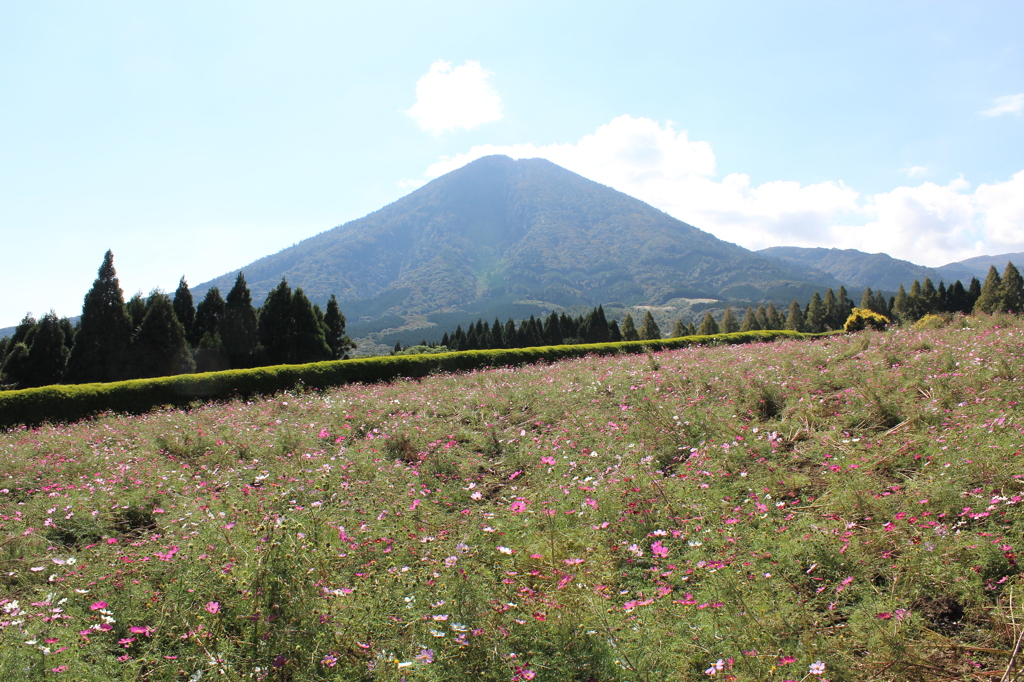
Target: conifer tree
x=943, y=299
x=614, y=333
x=552, y=330
x=973, y=293
x=678, y=330
x=510, y=336
x=729, y=322
x=209, y=354
x=929, y=298
x=867, y=299
x=957, y=296
x=795, y=318
x=708, y=327
x=136, y=307
x=274, y=324
x=160, y=347
x=901, y=308
x=184, y=307
x=104, y=332
x=498, y=336
x=239, y=326
x=15, y=371
x=308, y=342
x=881, y=304
x=1012, y=290
x=762, y=317
x=339, y=343
x=775, y=318
x=21, y=332
x=48, y=355
x=445, y=341
x=816, y=318
x=831, y=310
x=649, y=328
x=749, y=323
x=629, y=332
x=991, y=293
x=208, y=314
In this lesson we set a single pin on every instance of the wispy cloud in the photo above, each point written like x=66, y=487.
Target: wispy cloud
x=452, y=98
x=931, y=223
x=1007, y=104
x=914, y=171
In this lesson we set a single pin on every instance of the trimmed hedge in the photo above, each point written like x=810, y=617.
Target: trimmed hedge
x=69, y=403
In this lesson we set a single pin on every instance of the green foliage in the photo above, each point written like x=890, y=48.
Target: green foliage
x=861, y=319
x=629, y=332
x=729, y=322
x=160, y=347
x=649, y=328
x=101, y=345
x=708, y=325
x=238, y=326
x=334, y=334
x=184, y=307
x=208, y=315
x=990, y=298
x=71, y=403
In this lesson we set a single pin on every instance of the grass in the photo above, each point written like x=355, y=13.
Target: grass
x=845, y=509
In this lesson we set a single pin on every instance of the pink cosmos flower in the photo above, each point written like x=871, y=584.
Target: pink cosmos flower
x=96, y=606
x=213, y=606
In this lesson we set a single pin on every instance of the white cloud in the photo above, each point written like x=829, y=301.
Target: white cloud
x=914, y=171
x=448, y=99
x=1007, y=104
x=930, y=224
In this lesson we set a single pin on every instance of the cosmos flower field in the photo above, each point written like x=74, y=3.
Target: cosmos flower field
x=847, y=508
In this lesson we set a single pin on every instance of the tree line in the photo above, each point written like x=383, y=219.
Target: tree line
x=998, y=294
x=160, y=335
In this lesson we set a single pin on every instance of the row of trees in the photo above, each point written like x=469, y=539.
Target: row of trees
x=821, y=314
x=159, y=336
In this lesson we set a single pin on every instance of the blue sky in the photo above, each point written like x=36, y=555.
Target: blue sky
x=193, y=138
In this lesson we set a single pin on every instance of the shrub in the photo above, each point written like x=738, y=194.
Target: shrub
x=862, y=318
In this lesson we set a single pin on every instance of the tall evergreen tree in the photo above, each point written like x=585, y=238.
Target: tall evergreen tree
x=831, y=310
x=881, y=304
x=15, y=371
x=160, y=347
x=48, y=355
x=816, y=317
x=209, y=354
x=1012, y=293
x=929, y=298
x=749, y=323
x=239, y=326
x=795, y=318
x=867, y=299
x=339, y=342
x=649, y=330
x=762, y=317
x=708, y=326
x=679, y=329
x=901, y=308
x=973, y=293
x=104, y=333
x=308, y=342
x=184, y=307
x=208, y=314
x=509, y=335
x=775, y=318
x=21, y=332
x=991, y=293
x=136, y=307
x=629, y=332
x=957, y=296
x=614, y=333
x=729, y=322
x=274, y=324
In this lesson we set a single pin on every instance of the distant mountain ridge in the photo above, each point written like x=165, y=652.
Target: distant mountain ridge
x=855, y=268
x=498, y=232
x=881, y=271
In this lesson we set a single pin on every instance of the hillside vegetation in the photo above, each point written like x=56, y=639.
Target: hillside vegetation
x=845, y=508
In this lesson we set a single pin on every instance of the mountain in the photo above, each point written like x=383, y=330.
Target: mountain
x=500, y=233
x=857, y=269
x=978, y=266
